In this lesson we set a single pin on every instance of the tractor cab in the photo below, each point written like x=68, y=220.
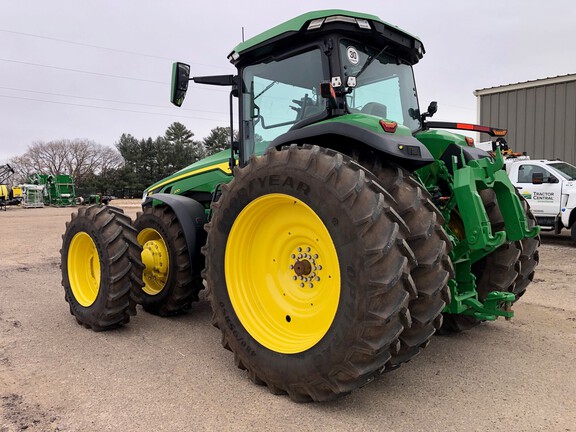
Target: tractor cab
x=301, y=81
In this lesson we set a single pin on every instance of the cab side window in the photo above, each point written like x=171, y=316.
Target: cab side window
x=525, y=173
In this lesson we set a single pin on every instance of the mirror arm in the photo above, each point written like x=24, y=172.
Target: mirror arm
x=219, y=80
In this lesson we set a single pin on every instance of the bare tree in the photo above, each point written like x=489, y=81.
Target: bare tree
x=80, y=158
x=23, y=168
x=85, y=158
x=48, y=157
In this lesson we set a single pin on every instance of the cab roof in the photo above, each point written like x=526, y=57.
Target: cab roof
x=366, y=26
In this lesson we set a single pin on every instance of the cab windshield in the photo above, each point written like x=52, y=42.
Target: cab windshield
x=280, y=93
x=384, y=85
x=568, y=171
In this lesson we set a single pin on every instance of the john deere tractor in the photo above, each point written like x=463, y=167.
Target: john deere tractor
x=339, y=233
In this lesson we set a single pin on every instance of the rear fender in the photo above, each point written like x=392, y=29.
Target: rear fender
x=404, y=150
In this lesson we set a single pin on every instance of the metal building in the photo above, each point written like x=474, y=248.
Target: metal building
x=540, y=116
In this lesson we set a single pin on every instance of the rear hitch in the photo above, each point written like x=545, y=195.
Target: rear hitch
x=496, y=304
x=465, y=297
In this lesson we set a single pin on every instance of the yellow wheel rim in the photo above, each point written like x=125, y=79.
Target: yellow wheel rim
x=84, y=269
x=155, y=259
x=282, y=273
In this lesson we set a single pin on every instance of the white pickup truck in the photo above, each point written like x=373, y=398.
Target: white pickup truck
x=549, y=186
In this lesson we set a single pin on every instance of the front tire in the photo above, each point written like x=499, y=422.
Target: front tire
x=100, y=262
x=308, y=273
x=169, y=284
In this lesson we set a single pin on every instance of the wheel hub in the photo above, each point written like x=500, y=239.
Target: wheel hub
x=155, y=259
x=302, y=267
x=306, y=266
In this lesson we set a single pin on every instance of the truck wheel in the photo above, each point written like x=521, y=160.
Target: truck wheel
x=502, y=269
x=100, y=262
x=431, y=246
x=169, y=286
x=308, y=273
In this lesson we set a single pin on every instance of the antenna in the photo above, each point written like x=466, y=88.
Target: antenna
x=242, y=33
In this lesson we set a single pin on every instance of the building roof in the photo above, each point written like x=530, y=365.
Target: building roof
x=526, y=84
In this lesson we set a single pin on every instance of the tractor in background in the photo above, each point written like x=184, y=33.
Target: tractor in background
x=9, y=195
x=338, y=234
x=59, y=190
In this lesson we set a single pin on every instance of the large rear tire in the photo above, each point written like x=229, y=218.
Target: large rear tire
x=529, y=256
x=169, y=284
x=100, y=263
x=431, y=246
x=308, y=273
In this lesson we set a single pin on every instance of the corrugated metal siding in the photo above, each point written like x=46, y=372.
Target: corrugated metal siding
x=540, y=120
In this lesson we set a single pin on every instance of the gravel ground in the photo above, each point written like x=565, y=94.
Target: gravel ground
x=172, y=374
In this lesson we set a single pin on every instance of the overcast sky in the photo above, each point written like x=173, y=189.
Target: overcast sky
x=98, y=68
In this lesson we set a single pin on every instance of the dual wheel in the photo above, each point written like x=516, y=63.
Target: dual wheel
x=319, y=277
x=109, y=265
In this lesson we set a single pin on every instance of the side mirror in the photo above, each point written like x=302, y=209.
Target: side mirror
x=537, y=178
x=432, y=108
x=180, y=78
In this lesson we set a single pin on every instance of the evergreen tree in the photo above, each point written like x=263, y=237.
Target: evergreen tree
x=182, y=149
x=218, y=140
x=178, y=134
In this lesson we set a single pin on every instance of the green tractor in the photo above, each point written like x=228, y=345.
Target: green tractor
x=339, y=233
